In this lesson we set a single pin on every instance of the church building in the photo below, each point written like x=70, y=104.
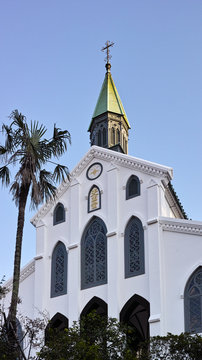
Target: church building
x=116, y=239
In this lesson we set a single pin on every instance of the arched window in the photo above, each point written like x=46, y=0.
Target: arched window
x=59, y=270
x=193, y=302
x=117, y=136
x=94, y=199
x=99, y=138
x=104, y=137
x=134, y=248
x=113, y=136
x=59, y=214
x=132, y=187
x=94, y=254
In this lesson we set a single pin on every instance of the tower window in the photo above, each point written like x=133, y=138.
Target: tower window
x=132, y=187
x=59, y=270
x=99, y=138
x=113, y=137
x=193, y=303
x=94, y=254
x=104, y=137
x=117, y=136
x=59, y=214
x=134, y=248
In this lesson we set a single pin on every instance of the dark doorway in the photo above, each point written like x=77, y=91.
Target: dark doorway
x=135, y=314
x=58, y=322
x=95, y=304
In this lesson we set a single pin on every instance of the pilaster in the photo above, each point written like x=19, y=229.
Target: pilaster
x=112, y=242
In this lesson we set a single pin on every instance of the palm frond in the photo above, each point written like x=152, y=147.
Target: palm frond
x=37, y=129
x=3, y=150
x=18, y=119
x=48, y=190
x=9, y=137
x=5, y=175
x=15, y=191
x=58, y=143
x=36, y=196
x=60, y=173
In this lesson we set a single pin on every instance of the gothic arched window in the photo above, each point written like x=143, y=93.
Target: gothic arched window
x=117, y=136
x=193, y=302
x=94, y=199
x=94, y=254
x=134, y=248
x=104, y=137
x=59, y=214
x=99, y=138
x=59, y=270
x=113, y=136
x=132, y=187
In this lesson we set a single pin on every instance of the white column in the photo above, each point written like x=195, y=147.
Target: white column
x=73, y=255
x=112, y=242
x=41, y=270
x=154, y=260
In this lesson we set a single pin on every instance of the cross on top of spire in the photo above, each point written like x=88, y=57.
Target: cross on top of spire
x=108, y=57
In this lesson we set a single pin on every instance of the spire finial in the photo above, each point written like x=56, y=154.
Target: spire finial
x=108, y=57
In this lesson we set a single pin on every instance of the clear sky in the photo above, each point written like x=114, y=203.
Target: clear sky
x=52, y=69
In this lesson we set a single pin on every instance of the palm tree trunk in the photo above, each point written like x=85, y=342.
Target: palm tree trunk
x=24, y=190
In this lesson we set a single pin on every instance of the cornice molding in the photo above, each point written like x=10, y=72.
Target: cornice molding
x=173, y=203
x=163, y=172
x=25, y=272
x=181, y=226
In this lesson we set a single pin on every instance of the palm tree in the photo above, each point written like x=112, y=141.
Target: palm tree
x=27, y=148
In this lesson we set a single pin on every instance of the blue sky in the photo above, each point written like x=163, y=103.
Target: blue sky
x=52, y=69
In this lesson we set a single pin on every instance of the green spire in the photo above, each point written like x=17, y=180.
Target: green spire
x=109, y=99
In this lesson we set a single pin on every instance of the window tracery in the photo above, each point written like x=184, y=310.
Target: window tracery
x=59, y=271
x=94, y=254
x=134, y=248
x=193, y=302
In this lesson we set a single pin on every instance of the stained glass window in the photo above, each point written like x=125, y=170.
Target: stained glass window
x=132, y=187
x=94, y=254
x=134, y=248
x=59, y=271
x=59, y=214
x=193, y=302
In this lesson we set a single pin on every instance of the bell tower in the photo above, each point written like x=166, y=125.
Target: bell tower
x=109, y=125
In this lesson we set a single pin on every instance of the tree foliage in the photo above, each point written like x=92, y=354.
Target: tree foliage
x=94, y=337
x=98, y=338
x=27, y=148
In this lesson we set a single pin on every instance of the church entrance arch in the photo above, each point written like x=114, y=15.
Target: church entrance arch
x=95, y=304
x=135, y=313
x=58, y=322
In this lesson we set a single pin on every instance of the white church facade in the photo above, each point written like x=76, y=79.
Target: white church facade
x=116, y=239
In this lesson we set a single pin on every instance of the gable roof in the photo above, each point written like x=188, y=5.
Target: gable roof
x=150, y=168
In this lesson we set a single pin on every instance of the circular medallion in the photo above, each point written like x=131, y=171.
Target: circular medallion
x=94, y=171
